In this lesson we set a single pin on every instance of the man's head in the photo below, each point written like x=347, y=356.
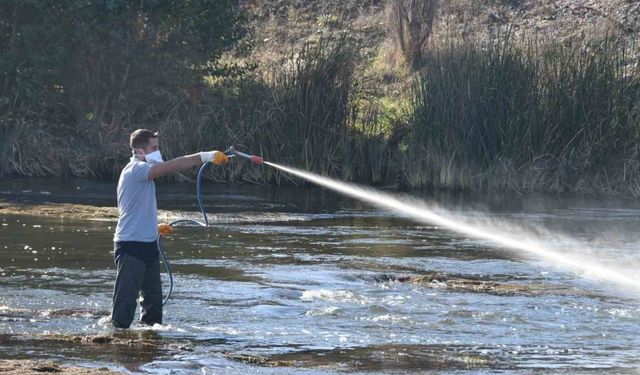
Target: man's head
x=143, y=142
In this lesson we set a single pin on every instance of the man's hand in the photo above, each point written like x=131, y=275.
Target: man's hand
x=220, y=158
x=216, y=157
x=164, y=229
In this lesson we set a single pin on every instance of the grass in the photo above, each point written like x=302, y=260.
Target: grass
x=490, y=116
x=311, y=108
x=546, y=118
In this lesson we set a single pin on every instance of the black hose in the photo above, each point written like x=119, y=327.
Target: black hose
x=179, y=221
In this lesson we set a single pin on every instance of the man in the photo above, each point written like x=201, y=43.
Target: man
x=135, y=246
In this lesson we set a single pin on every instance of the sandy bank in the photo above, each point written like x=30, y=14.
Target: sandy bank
x=65, y=211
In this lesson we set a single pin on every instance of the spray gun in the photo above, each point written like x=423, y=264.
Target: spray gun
x=232, y=152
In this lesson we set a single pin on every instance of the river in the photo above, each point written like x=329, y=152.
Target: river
x=301, y=280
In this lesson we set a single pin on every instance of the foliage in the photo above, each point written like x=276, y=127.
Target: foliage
x=94, y=70
x=76, y=77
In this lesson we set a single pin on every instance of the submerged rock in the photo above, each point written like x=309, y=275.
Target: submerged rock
x=30, y=367
x=375, y=358
x=117, y=347
x=257, y=360
x=476, y=285
x=125, y=340
x=55, y=313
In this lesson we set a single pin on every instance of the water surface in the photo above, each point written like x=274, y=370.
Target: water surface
x=307, y=278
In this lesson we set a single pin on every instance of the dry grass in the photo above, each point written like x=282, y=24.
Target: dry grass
x=545, y=118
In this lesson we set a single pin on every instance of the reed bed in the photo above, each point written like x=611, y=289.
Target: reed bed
x=492, y=116
x=538, y=117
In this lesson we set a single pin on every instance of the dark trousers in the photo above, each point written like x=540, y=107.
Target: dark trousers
x=136, y=277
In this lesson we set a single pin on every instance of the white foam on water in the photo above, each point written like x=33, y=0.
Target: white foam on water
x=621, y=313
x=388, y=318
x=334, y=296
x=9, y=309
x=220, y=329
x=104, y=322
x=324, y=311
x=158, y=327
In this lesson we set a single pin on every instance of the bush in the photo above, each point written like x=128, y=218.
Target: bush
x=87, y=73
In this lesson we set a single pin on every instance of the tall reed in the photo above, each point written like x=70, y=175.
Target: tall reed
x=538, y=117
x=313, y=97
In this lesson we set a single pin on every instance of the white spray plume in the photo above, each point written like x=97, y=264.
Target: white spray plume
x=423, y=214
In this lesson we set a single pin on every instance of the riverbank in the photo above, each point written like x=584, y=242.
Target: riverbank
x=509, y=96
x=62, y=211
x=59, y=210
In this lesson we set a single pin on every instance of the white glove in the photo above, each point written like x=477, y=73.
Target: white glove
x=215, y=157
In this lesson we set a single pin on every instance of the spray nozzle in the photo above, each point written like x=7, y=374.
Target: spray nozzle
x=231, y=152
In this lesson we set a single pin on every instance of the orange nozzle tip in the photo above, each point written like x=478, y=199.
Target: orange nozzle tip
x=256, y=159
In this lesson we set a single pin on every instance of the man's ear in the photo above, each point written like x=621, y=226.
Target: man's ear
x=138, y=153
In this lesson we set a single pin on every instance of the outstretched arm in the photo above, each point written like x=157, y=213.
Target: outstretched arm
x=186, y=162
x=174, y=165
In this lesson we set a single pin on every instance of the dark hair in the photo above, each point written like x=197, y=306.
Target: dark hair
x=140, y=138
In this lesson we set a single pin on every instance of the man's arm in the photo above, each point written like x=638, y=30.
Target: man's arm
x=174, y=165
x=186, y=162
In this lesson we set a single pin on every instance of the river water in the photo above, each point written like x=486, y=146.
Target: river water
x=314, y=282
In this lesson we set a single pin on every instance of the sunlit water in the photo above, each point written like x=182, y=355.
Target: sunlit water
x=295, y=275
